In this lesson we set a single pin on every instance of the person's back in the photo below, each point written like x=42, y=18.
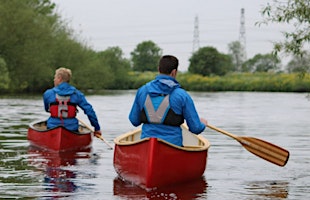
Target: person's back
x=162, y=105
x=62, y=100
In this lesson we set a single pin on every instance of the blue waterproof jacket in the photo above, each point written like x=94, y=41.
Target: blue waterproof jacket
x=180, y=102
x=76, y=97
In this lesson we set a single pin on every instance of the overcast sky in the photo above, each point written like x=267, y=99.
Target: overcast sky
x=170, y=24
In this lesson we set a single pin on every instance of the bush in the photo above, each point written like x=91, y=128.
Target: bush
x=267, y=82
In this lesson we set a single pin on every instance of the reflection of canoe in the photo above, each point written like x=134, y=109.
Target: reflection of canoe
x=48, y=158
x=57, y=178
x=58, y=138
x=188, y=190
x=153, y=162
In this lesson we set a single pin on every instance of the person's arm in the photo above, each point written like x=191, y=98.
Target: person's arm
x=89, y=111
x=46, y=100
x=195, y=124
x=134, y=115
x=97, y=133
x=204, y=121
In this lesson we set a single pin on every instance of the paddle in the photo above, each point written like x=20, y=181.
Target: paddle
x=98, y=136
x=260, y=148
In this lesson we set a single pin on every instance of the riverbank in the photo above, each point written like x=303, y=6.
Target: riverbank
x=263, y=82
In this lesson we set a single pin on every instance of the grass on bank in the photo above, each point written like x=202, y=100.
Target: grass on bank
x=267, y=82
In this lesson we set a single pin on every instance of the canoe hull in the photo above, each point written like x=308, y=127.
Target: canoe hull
x=155, y=163
x=58, y=139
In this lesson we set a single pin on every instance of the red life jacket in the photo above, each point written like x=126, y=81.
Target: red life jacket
x=63, y=108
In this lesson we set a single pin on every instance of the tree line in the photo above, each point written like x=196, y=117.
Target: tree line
x=35, y=40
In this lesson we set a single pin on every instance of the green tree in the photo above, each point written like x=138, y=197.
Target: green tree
x=25, y=41
x=262, y=63
x=236, y=51
x=299, y=64
x=34, y=41
x=296, y=13
x=207, y=61
x=4, y=76
x=87, y=72
x=145, y=56
x=118, y=67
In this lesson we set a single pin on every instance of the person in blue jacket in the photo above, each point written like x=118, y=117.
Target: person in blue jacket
x=62, y=100
x=162, y=105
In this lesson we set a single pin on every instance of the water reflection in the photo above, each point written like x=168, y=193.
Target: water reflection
x=268, y=189
x=232, y=172
x=55, y=166
x=190, y=190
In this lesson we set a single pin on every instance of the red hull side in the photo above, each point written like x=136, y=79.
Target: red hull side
x=59, y=139
x=153, y=163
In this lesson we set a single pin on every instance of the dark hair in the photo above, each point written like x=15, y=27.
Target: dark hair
x=167, y=64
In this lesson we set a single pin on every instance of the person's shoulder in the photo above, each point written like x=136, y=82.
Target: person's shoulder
x=142, y=88
x=77, y=91
x=181, y=94
x=180, y=90
x=48, y=91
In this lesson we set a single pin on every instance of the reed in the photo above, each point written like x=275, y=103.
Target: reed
x=267, y=82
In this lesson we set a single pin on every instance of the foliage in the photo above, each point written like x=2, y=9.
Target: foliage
x=25, y=41
x=137, y=79
x=262, y=63
x=299, y=64
x=34, y=42
x=145, y=56
x=207, y=61
x=237, y=53
x=269, y=82
x=118, y=68
x=4, y=76
x=265, y=82
x=89, y=73
x=296, y=13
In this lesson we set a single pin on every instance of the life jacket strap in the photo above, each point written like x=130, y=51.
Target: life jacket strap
x=156, y=116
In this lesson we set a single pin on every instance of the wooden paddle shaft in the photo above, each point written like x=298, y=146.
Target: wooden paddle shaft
x=224, y=132
x=98, y=136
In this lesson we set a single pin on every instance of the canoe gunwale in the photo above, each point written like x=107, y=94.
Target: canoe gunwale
x=128, y=139
x=42, y=123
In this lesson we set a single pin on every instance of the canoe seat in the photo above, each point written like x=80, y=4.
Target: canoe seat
x=191, y=140
x=41, y=126
x=83, y=130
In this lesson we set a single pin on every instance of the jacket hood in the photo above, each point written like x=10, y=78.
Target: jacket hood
x=64, y=89
x=163, y=84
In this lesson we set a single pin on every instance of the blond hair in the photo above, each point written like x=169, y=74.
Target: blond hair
x=64, y=73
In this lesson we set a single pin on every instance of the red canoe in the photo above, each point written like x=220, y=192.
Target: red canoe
x=59, y=138
x=153, y=162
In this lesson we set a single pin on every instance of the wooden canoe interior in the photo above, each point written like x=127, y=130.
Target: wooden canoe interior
x=191, y=142
x=41, y=126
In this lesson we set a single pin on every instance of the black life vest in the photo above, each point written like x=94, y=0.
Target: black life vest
x=163, y=114
x=63, y=108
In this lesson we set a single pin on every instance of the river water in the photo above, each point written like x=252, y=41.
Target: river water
x=232, y=172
